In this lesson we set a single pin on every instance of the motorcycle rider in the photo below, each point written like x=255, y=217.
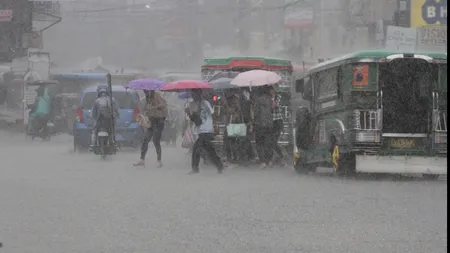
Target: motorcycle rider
x=101, y=113
x=41, y=109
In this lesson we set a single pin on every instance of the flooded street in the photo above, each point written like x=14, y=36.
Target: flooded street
x=53, y=200
x=355, y=85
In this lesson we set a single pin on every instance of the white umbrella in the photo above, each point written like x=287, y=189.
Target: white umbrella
x=255, y=78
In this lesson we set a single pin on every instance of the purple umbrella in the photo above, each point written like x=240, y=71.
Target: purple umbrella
x=146, y=84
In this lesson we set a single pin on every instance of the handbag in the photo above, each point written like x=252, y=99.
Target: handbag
x=188, y=138
x=144, y=121
x=236, y=129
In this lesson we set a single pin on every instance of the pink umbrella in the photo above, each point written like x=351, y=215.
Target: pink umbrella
x=254, y=78
x=183, y=85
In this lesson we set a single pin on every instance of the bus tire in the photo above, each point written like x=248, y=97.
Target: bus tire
x=301, y=166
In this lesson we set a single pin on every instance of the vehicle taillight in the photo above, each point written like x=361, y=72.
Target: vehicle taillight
x=79, y=115
x=136, y=113
x=440, y=138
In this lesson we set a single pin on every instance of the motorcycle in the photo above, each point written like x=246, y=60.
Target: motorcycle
x=105, y=146
x=43, y=129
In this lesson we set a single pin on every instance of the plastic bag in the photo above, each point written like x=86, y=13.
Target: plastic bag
x=188, y=138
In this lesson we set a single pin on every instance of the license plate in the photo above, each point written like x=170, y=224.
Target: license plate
x=102, y=134
x=402, y=143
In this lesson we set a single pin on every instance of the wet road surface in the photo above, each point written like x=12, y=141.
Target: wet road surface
x=53, y=200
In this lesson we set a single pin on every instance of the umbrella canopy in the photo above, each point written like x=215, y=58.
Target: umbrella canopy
x=255, y=78
x=224, y=74
x=183, y=85
x=146, y=84
x=222, y=84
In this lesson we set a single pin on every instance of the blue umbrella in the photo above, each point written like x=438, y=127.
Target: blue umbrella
x=146, y=84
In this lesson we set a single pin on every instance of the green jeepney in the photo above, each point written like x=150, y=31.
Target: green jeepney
x=373, y=112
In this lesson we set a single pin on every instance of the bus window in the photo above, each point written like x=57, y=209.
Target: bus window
x=326, y=82
x=307, y=89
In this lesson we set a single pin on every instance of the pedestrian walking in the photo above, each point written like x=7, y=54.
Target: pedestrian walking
x=246, y=109
x=263, y=120
x=155, y=109
x=278, y=124
x=200, y=112
x=233, y=115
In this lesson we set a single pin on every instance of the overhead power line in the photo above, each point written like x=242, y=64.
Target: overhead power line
x=143, y=6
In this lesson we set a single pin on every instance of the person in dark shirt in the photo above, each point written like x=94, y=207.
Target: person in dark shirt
x=263, y=121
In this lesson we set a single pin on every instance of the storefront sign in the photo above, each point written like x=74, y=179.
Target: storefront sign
x=6, y=15
x=296, y=18
x=428, y=12
x=432, y=38
x=401, y=38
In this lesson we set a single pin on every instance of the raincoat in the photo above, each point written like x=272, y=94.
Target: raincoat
x=101, y=113
x=42, y=107
x=102, y=107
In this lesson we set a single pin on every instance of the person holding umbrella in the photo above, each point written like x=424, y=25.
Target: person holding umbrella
x=200, y=112
x=155, y=109
x=262, y=108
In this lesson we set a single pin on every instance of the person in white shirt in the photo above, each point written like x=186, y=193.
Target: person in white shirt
x=200, y=112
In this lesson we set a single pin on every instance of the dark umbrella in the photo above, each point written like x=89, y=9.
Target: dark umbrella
x=222, y=84
x=224, y=74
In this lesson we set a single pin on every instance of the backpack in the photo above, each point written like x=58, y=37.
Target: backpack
x=195, y=114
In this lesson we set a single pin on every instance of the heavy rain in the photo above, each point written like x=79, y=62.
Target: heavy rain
x=223, y=126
